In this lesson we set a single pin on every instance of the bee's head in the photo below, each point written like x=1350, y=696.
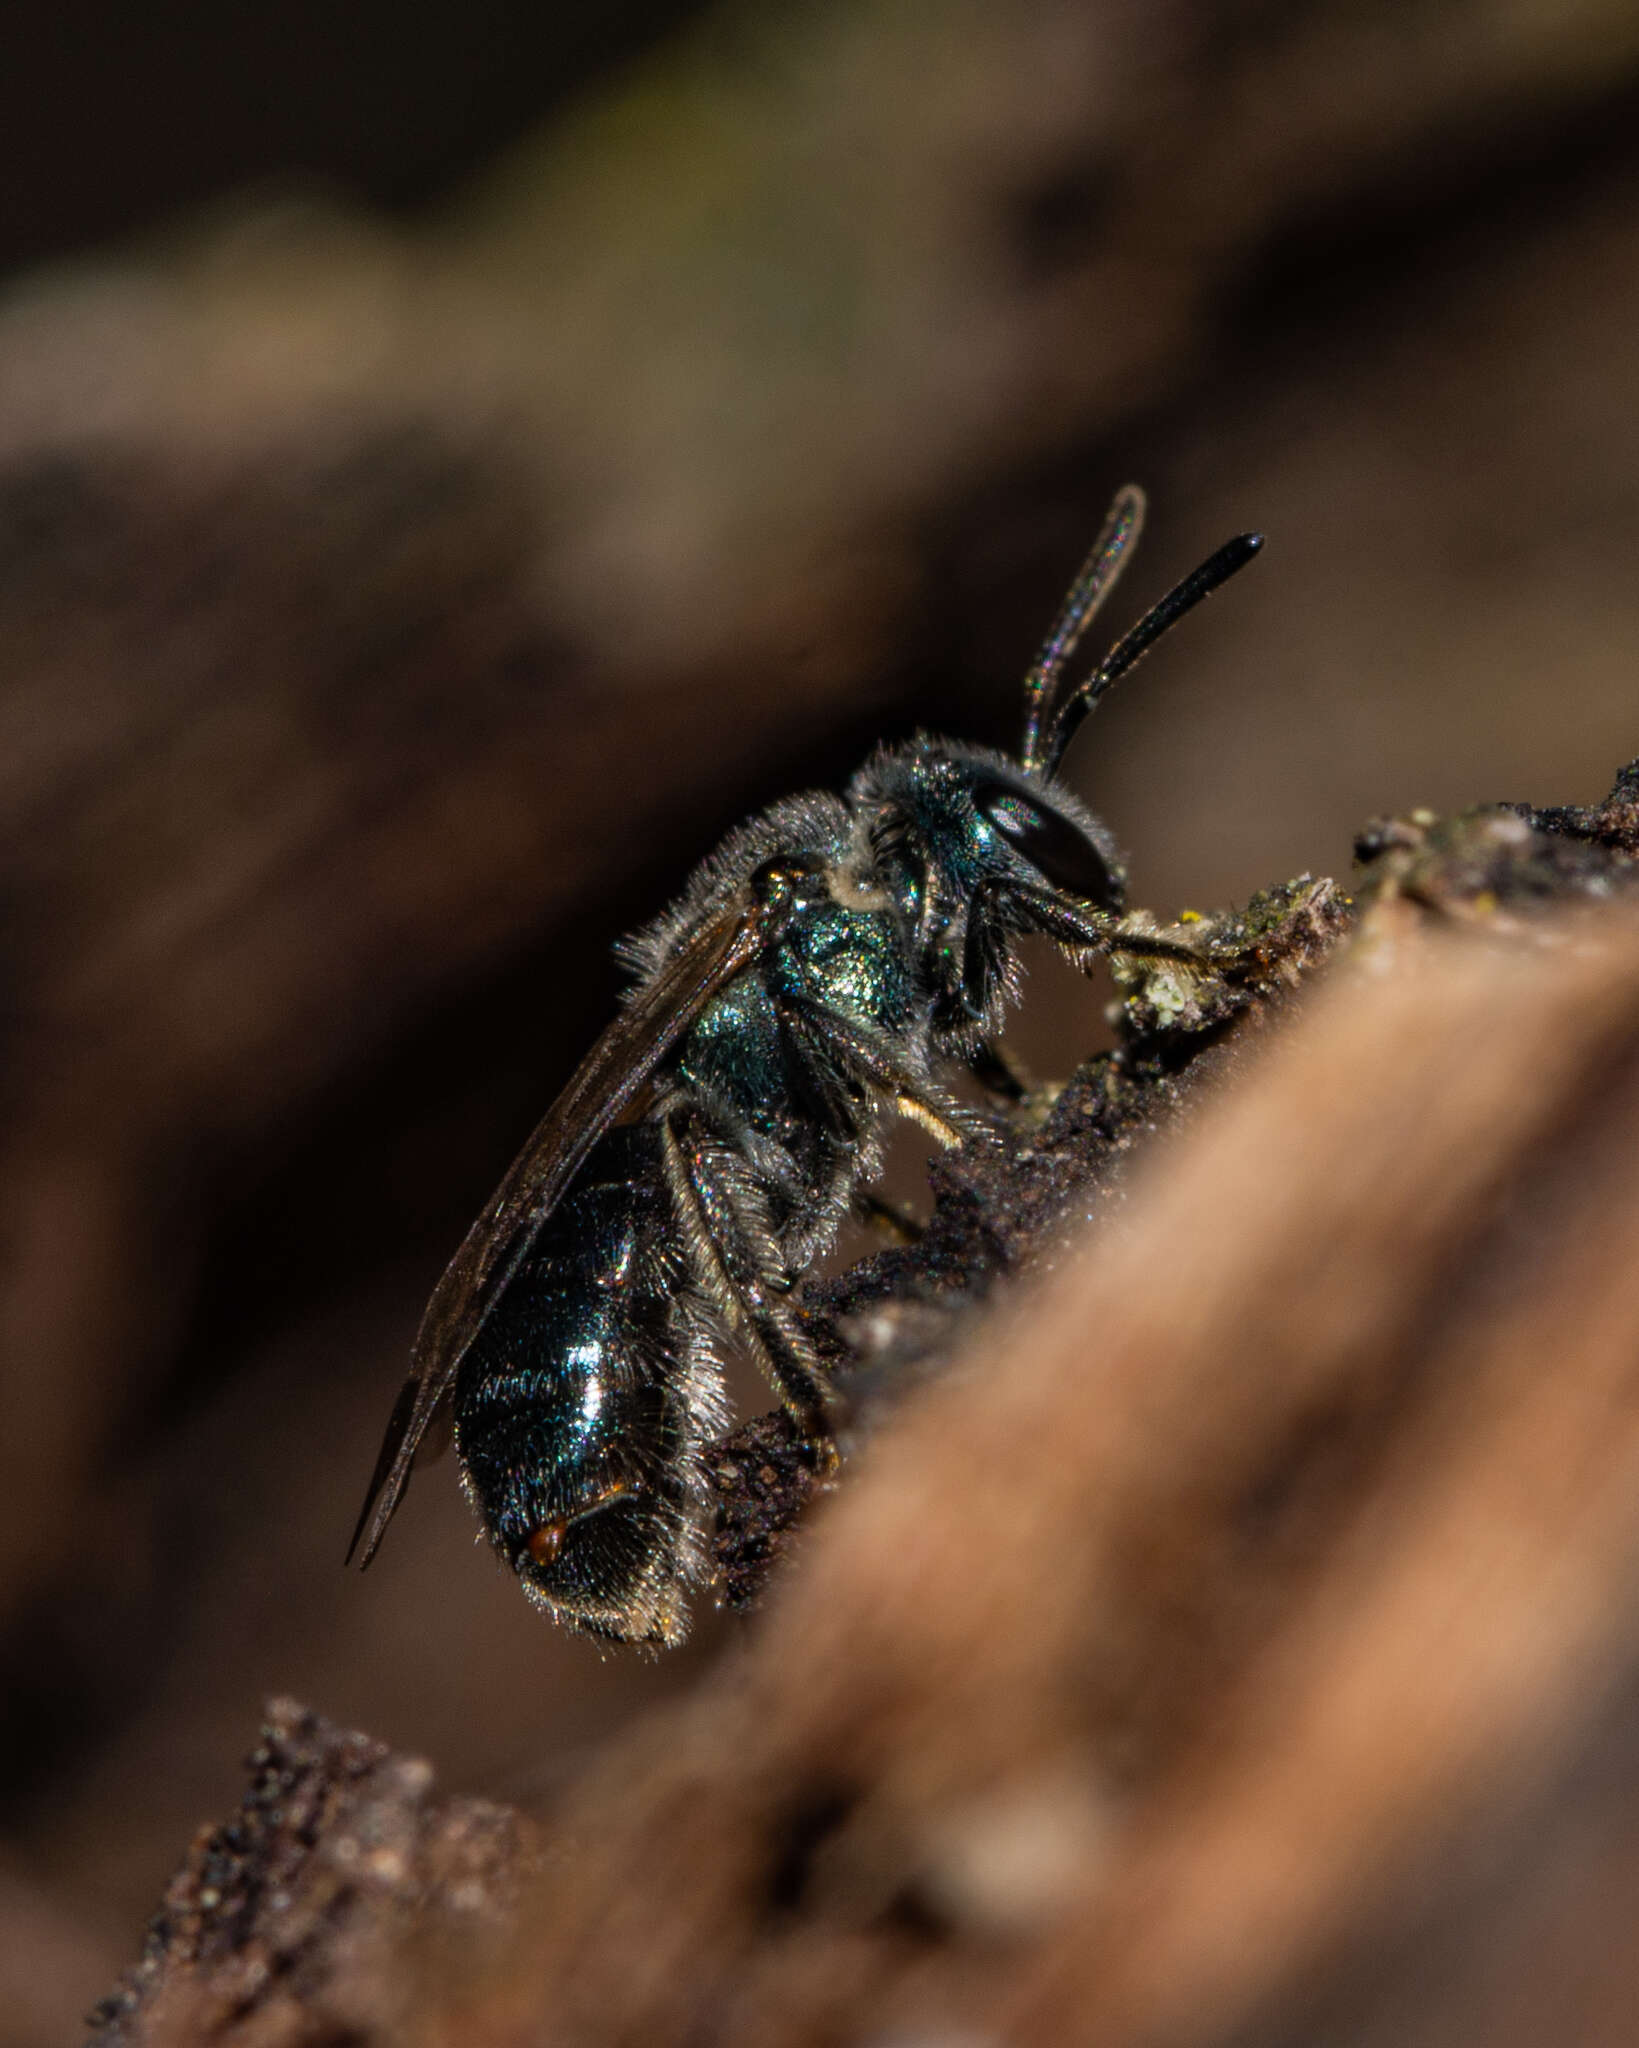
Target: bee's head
x=978, y=847
x=976, y=850
x=948, y=820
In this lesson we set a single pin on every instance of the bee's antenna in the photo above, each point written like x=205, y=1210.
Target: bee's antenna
x=1122, y=526
x=1131, y=648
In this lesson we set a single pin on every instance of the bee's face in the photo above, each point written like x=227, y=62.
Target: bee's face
x=959, y=820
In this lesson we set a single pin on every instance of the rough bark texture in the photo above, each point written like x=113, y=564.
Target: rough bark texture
x=330, y=1902
x=1233, y=1641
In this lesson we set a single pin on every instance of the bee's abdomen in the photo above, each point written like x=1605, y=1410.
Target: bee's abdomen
x=572, y=1412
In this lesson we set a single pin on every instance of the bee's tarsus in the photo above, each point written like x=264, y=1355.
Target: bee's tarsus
x=892, y=1220
x=1129, y=944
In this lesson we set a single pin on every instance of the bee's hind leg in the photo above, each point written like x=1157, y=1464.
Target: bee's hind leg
x=999, y=1072
x=895, y=1221
x=738, y=1267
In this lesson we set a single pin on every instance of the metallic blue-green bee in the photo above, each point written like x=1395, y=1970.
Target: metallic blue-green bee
x=816, y=975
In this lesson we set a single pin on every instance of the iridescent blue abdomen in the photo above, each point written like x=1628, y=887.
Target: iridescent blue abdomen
x=570, y=1416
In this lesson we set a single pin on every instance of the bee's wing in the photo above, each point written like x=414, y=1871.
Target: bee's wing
x=600, y=1088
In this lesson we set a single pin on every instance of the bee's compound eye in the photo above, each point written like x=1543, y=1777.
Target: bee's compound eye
x=1054, y=846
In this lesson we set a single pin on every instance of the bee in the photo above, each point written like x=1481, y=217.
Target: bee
x=826, y=968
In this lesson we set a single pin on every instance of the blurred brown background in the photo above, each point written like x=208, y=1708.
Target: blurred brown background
x=451, y=468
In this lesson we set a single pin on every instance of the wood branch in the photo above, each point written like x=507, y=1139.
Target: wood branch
x=1235, y=1640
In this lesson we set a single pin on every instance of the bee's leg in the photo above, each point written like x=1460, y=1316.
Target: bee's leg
x=1141, y=945
x=770, y=1163
x=871, y=1058
x=997, y=1070
x=737, y=1265
x=1099, y=932
x=894, y=1220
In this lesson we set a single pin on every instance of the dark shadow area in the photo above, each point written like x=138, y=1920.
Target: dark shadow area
x=111, y=116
